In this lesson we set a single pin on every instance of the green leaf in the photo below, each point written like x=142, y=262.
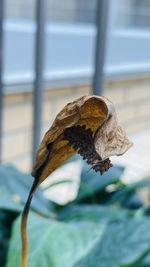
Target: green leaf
x=52, y=243
x=6, y=220
x=94, y=213
x=128, y=190
x=123, y=242
x=67, y=181
x=93, y=183
x=16, y=187
x=123, y=245
x=9, y=201
x=145, y=262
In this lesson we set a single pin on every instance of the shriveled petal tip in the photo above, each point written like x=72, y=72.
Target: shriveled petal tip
x=110, y=138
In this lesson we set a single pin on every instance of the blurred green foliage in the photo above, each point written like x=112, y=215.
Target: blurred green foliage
x=107, y=225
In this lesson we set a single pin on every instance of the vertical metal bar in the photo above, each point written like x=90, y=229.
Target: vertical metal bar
x=1, y=72
x=101, y=24
x=39, y=79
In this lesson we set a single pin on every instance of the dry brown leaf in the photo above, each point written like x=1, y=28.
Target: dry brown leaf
x=90, y=111
x=96, y=113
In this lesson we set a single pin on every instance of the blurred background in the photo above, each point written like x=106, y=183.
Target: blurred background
x=56, y=51
x=52, y=52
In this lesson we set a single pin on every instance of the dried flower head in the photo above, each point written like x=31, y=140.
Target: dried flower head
x=87, y=126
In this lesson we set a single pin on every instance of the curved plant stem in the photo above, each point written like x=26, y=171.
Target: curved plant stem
x=24, y=237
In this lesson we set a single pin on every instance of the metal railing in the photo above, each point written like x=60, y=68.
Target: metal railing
x=39, y=79
x=39, y=63
x=1, y=72
x=102, y=23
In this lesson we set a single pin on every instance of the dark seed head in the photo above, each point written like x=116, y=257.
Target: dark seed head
x=81, y=139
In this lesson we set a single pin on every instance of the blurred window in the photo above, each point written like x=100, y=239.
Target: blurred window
x=57, y=10
x=20, y=9
x=133, y=13
x=72, y=10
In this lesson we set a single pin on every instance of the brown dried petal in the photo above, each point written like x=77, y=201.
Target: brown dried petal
x=90, y=111
x=110, y=139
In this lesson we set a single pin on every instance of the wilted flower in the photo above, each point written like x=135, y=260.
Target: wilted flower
x=87, y=126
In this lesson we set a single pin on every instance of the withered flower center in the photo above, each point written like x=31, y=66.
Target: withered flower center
x=82, y=140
